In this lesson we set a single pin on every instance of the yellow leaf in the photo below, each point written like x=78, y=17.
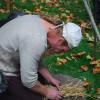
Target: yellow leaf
x=84, y=68
x=2, y=11
x=23, y=1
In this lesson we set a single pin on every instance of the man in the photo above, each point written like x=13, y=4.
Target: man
x=23, y=41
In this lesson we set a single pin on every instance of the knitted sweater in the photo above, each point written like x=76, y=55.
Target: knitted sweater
x=23, y=40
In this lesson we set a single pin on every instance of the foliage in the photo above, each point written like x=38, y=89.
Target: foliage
x=65, y=10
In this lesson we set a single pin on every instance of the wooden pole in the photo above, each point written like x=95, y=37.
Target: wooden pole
x=92, y=19
x=96, y=34
x=8, y=5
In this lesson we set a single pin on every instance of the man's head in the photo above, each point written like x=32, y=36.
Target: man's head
x=70, y=37
x=56, y=42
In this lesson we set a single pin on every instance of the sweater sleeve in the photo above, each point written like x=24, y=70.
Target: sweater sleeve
x=28, y=62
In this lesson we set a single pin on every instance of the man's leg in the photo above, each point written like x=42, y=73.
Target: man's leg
x=16, y=91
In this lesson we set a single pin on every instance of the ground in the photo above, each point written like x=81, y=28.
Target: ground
x=66, y=10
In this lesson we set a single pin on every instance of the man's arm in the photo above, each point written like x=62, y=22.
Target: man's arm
x=46, y=74
x=39, y=88
x=29, y=68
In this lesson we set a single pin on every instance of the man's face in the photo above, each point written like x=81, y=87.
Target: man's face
x=58, y=44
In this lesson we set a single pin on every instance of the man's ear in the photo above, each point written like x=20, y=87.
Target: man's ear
x=52, y=33
x=51, y=30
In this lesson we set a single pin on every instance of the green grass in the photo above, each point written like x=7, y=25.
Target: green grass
x=71, y=67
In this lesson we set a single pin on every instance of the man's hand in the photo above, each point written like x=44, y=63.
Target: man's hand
x=45, y=73
x=53, y=93
x=55, y=82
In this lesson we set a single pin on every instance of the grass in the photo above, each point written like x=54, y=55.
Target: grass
x=73, y=67
x=64, y=8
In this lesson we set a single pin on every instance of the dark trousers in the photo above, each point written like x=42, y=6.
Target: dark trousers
x=11, y=16
x=16, y=91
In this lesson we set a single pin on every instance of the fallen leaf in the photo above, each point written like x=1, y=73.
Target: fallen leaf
x=70, y=17
x=96, y=70
x=89, y=57
x=55, y=1
x=56, y=5
x=86, y=83
x=63, y=15
x=68, y=58
x=61, y=9
x=61, y=54
x=98, y=65
x=37, y=10
x=49, y=3
x=91, y=45
x=90, y=38
x=23, y=1
x=67, y=11
x=61, y=61
x=27, y=11
x=84, y=24
x=98, y=90
x=58, y=63
x=78, y=54
x=2, y=11
x=84, y=68
x=95, y=62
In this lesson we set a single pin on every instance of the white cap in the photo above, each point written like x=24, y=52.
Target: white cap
x=72, y=34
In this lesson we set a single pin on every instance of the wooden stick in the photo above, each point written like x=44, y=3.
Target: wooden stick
x=8, y=5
